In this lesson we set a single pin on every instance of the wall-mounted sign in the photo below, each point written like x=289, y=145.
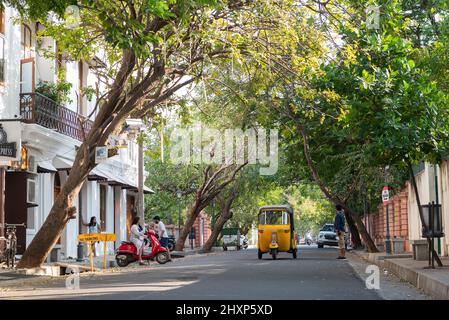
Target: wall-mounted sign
x=385, y=194
x=7, y=149
x=101, y=154
x=10, y=140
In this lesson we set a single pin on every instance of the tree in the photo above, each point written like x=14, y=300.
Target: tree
x=214, y=181
x=153, y=48
x=238, y=204
x=225, y=200
x=174, y=186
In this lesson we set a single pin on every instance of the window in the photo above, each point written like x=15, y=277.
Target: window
x=26, y=42
x=274, y=217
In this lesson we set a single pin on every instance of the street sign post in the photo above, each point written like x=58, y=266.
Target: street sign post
x=91, y=238
x=385, y=195
x=386, y=200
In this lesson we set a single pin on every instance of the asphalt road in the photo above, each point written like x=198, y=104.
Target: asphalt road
x=316, y=274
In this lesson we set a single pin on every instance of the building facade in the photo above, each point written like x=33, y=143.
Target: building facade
x=432, y=185
x=376, y=222
x=432, y=182
x=49, y=134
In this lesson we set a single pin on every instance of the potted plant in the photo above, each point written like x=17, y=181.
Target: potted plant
x=58, y=92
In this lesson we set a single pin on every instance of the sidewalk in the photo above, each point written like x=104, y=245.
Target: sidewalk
x=434, y=282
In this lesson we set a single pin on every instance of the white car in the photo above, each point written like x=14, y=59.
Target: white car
x=328, y=236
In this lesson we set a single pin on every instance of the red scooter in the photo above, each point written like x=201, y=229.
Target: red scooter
x=127, y=251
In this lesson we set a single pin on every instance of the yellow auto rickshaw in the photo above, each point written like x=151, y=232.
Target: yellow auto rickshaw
x=276, y=231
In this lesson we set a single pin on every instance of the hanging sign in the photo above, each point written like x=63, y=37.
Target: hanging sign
x=10, y=140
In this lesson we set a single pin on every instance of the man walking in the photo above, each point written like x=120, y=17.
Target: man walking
x=339, y=226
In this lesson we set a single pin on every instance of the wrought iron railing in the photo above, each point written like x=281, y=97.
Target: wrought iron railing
x=37, y=108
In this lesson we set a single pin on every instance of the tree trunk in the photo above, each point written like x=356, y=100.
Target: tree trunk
x=215, y=233
x=193, y=213
x=59, y=215
x=360, y=226
x=362, y=230
x=213, y=184
x=356, y=242
x=225, y=215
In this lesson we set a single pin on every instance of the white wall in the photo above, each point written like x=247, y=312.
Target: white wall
x=69, y=235
x=72, y=76
x=422, y=181
x=122, y=236
x=91, y=82
x=444, y=200
x=45, y=68
x=51, y=144
x=9, y=92
x=93, y=200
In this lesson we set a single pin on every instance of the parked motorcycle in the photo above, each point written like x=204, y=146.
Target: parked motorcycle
x=171, y=243
x=308, y=239
x=127, y=252
x=245, y=244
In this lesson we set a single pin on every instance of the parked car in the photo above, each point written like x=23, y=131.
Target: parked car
x=231, y=238
x=327, y=236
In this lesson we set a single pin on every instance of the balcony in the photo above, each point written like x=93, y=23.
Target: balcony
x=37, y=108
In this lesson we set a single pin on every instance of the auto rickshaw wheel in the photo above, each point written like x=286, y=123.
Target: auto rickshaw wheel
x=259, y=254
x=274, y=253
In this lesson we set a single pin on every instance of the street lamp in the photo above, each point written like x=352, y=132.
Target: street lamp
x=179, y=195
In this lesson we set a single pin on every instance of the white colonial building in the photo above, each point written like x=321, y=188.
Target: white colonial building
x=48, y=134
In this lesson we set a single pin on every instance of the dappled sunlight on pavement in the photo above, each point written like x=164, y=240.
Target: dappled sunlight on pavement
x=48, y=293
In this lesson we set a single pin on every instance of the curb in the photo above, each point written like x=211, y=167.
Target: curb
x=422, y=280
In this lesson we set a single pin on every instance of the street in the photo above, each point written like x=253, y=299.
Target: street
x=316, y=274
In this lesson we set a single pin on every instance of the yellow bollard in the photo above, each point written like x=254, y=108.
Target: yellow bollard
x=104, y=259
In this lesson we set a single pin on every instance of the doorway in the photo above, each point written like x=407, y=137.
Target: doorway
x=130, y=205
